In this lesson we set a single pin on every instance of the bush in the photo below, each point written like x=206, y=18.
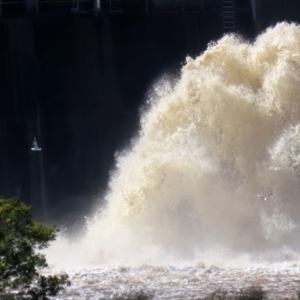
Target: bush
x=20, y=239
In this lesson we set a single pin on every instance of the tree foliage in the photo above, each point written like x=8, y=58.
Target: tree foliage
x=21, y=239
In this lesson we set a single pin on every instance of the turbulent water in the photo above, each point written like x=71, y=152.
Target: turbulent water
x=181, y=216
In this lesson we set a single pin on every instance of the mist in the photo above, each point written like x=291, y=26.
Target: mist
x=209, y=142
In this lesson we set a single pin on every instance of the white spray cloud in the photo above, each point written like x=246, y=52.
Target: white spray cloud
x=224, y=132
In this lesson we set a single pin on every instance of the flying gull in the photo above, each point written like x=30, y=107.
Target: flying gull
x=265, y=197
x=35, y=146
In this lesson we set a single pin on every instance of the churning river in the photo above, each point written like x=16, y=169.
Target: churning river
x=181, y=216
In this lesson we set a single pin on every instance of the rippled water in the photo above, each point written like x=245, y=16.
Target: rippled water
x=276, y=271
x=280, y=281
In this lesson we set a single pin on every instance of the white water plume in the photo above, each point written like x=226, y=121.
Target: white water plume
x=225, y=131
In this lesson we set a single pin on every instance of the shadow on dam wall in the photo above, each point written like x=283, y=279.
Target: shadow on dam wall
x=77, y=83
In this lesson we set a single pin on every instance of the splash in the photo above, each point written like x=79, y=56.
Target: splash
x=210, y=141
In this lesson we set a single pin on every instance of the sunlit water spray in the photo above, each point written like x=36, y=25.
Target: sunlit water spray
x=186, y=189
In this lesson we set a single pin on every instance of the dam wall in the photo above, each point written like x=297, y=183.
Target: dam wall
x=77, y=83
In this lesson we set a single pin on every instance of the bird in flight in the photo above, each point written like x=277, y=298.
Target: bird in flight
x=35, y=146
x=265, y=197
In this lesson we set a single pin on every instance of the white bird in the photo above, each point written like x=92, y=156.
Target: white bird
x=265, y=197
x=35, y=146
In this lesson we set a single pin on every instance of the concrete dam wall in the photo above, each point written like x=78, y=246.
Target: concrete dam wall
x=77, y=84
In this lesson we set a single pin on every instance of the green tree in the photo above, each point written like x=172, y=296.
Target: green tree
x=21, y=240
